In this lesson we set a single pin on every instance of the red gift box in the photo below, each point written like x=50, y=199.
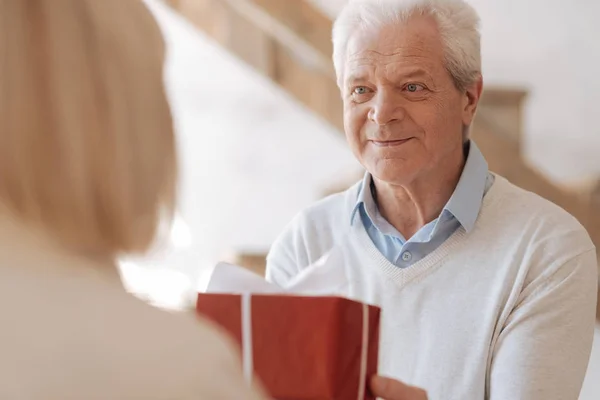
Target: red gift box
x=301, y=347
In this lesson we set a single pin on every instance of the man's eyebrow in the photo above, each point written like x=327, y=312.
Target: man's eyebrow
x=408, y=73
x=354, y=78
x=414, y=73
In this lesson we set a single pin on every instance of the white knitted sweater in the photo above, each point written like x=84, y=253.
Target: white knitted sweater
x=503, y=312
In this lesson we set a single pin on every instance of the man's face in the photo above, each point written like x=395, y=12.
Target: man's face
x=403, y=116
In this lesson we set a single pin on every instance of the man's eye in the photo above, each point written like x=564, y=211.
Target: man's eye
x=360, y=90
x=414, y=87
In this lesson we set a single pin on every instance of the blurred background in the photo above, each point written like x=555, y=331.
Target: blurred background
x=258, y=117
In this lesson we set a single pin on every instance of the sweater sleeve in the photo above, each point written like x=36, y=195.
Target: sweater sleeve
x=310, y=235
x=283, y=260
x=543, y=350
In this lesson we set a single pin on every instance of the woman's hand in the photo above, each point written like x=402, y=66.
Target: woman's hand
x=391, y=389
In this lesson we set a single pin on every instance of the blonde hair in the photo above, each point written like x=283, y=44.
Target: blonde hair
x=87, y=149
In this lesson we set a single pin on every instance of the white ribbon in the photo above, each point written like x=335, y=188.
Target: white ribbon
x=248, y=367
x=364, y=352
x=247, y=355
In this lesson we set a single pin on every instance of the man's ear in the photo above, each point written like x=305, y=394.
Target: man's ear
x=472, y=96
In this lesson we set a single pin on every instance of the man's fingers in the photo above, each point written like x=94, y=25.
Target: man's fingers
x=391, y=389
x=388, y=388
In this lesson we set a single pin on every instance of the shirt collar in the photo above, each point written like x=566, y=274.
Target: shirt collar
x=365, y=196
x=464, y=204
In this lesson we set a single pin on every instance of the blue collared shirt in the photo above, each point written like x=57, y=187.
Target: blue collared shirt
x=461, y=210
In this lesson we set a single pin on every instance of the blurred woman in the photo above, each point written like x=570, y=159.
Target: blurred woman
x=87, y=175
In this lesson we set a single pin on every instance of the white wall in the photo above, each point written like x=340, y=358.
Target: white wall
x=550, y=47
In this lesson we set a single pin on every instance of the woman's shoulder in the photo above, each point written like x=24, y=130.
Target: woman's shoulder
x=110, y=345
x=177, y=354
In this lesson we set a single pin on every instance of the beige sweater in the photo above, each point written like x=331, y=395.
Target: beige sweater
x=70, y=331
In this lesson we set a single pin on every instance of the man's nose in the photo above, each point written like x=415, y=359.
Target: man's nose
x=386, y=108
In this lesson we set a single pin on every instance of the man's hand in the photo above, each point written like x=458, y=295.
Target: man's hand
x=391, y=389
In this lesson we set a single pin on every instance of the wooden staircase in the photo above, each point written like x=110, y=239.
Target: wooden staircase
x=289, y=42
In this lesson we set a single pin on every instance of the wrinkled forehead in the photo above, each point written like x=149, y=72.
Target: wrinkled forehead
x=414, y=43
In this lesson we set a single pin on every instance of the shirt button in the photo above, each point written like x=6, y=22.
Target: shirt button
x=406, y=256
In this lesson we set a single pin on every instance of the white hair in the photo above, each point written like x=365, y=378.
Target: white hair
x=457, y=21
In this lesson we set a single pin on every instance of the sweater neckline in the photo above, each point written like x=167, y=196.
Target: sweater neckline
x=403, y=276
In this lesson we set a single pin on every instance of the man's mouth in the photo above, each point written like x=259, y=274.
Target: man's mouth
x=389, y=143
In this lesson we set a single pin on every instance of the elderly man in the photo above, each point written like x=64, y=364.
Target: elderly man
x=487, y=291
